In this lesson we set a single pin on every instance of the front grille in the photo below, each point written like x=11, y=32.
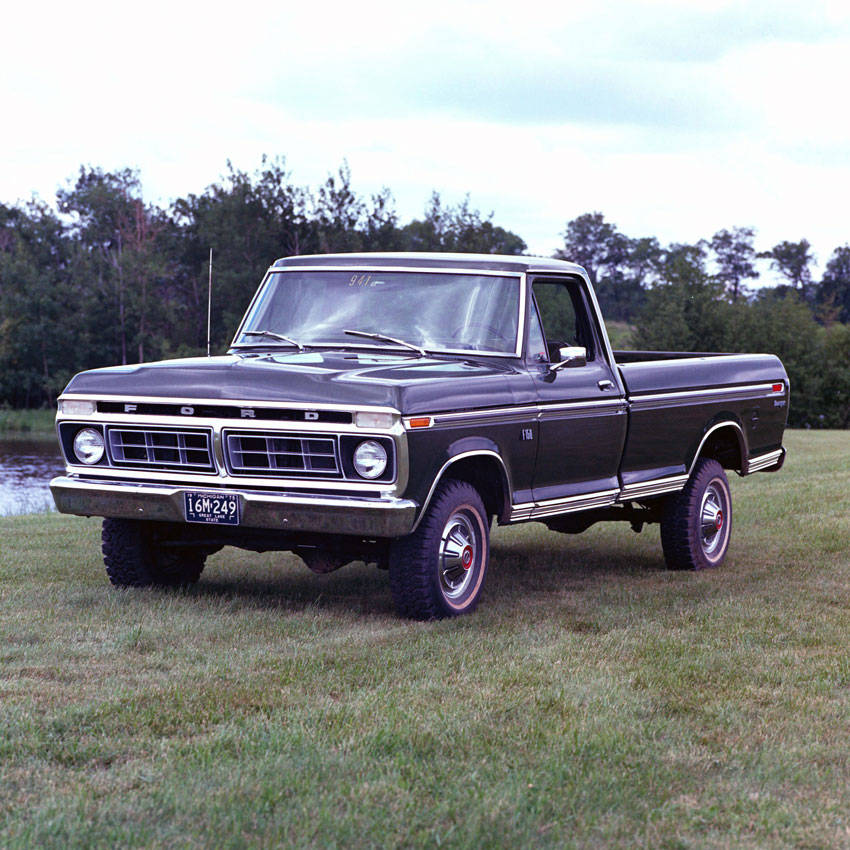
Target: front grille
x=293, y=454
x=161, y=448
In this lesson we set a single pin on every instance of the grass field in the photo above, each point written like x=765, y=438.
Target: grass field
x=594, y=700
x=29, y=422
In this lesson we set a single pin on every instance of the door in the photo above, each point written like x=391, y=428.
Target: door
x=582, y=412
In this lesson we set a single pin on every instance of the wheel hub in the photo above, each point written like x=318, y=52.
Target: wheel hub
x=712, y=519
x=458, y=554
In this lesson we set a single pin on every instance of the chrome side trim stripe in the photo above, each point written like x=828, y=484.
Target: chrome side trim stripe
x=524, y=413
x=744, y=393
x=578, y=411
x=601, y=407
x=552, y=507
x=764, y=461
x=654, y=487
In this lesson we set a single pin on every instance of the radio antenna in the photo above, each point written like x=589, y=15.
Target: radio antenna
x=209, y=305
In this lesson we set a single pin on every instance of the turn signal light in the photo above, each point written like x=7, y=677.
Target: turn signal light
x=420, y=422
x=371, y=419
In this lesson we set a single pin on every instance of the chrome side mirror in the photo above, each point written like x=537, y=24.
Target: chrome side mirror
x=571, y=356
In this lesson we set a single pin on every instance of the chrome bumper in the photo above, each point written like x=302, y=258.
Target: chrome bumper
x=362, y=516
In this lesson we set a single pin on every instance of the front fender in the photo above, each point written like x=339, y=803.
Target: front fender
x=464, y=451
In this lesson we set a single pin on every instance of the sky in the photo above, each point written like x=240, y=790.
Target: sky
x=674, y=119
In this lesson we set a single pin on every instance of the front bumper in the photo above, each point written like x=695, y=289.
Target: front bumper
x=384, y=516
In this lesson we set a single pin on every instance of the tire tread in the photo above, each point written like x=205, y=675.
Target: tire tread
x=682, y=550
x=411, y=567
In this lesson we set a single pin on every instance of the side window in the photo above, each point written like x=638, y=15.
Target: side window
x=564, y=318
x=536, y=342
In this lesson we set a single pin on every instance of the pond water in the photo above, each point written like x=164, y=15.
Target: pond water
x=26, y=467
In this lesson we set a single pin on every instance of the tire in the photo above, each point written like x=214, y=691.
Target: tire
x=438, y=570
x=135, y=557
x=697, y=522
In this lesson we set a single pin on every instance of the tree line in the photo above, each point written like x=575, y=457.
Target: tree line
x=105, y=276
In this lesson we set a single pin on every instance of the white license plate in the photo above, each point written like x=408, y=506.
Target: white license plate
x=216, y=508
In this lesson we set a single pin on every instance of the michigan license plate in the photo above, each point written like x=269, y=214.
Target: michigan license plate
x=216, y=508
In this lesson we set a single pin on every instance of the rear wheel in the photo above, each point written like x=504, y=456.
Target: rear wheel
x=438, y=571
x=135, y=556
x=697, y=522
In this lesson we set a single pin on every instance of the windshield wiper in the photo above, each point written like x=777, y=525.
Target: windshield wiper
x=384, y=338
x=273, y=335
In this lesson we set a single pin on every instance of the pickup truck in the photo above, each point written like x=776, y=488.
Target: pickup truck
x=388, y=408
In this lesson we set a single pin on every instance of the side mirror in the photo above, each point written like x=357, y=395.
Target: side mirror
x=571, y=356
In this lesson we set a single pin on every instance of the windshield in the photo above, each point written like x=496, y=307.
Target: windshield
x=434, y=311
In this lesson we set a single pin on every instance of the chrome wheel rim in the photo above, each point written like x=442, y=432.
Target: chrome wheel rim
x=458, y=555
x=713, y=519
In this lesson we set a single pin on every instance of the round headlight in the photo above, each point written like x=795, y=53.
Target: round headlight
x=88, y=446
x=370, y=459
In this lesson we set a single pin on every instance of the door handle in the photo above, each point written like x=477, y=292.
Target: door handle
x=605, y=384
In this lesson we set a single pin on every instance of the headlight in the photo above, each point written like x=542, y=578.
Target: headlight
x=76, y=407
x=370, y=459
x=88, y=446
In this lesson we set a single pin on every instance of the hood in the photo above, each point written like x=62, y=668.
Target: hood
x=407, y=383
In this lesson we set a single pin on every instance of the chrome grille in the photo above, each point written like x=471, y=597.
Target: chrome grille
x=294, y=454
x=160, y=448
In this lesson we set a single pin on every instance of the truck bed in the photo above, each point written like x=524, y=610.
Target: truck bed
x=675, y=397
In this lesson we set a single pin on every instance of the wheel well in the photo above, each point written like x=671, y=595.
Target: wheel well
x=724, y=446
x=487, y=476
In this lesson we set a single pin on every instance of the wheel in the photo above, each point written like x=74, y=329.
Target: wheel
x=438, y=571
x=135, y=557
x=697, y=522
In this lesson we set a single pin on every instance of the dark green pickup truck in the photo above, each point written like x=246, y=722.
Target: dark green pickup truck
x=389, y=407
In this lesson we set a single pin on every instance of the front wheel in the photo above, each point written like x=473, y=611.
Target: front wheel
x=697, y=522
x=438, y=571
x=135, y=556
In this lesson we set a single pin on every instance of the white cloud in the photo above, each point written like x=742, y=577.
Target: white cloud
x=674, y=119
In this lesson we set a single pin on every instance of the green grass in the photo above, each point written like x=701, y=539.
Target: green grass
x=28, y=422
x=594, y=700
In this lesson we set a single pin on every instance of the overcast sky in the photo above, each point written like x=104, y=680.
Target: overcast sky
x=674, y=119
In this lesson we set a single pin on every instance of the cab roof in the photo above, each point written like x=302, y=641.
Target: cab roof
x=416, y=259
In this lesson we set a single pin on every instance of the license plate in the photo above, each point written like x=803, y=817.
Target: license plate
x=216, y=508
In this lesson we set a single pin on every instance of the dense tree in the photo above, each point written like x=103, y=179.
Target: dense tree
x=832, y=406
x=108, y=277
x=618, y=267
x=793, y=261
x=735, y=258
x=118, y=234
x=458, y=229
x=834, y=291
x=595, y=244
x=248, y=221
x=687, y=312
x=43, y=308
x=785, y=327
